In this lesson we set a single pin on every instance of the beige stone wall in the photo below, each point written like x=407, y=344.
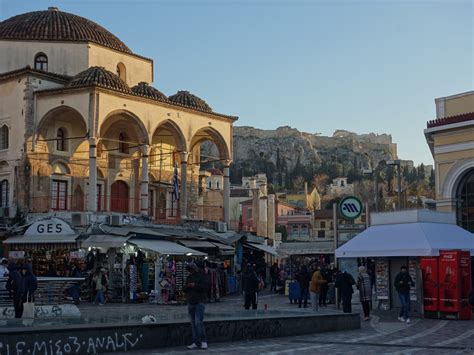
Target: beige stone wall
x=63, y=58
x=137, y=69
x=457, y=105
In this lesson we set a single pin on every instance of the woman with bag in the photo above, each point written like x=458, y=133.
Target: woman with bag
x=23, y=285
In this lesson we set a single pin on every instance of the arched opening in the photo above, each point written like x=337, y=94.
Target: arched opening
x=123, y=144
x=208, y=152
x=122, y=71
x=77, y=199
x=119, y=197
x=465, y=201
x=61, y=136
x=41, y=62
x=4, y=193
x=4, y=137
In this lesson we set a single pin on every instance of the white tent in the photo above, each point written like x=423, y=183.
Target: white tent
x=415, y=238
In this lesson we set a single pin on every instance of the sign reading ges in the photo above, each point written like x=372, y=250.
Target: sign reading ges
x=350, y=207
x=49, y=226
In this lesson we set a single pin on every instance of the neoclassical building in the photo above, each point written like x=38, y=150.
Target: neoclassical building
x=82, y=129
x=451, y=139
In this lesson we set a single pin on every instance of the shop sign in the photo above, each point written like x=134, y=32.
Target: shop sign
x=78, y=254
x=50, y=226
x=16, y=254
x=350, y=207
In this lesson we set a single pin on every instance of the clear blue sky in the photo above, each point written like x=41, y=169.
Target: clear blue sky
x=364, y=66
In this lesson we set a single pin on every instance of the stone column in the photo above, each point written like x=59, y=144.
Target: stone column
x=271, y=217
x=227, y=194
x=92, y=196
x=262, y=217
x=144, y=182
x=183, y=200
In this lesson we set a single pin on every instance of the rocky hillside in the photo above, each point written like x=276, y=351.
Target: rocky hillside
x=286, y=154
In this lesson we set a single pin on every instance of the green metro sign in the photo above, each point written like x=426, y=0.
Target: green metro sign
x=350, y=207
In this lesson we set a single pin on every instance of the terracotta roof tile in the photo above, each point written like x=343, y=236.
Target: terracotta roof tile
x=100, y=77
x=55, y=25
x=143, y=89
x=450, y=119
x=185, y=98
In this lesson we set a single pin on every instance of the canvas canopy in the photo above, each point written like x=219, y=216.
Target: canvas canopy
x=165, y=247
x=407, y=239
x=266, y=248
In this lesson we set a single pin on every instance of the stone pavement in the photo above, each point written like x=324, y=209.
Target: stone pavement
x=382, y=335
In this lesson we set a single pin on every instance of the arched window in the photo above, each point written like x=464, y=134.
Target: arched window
x=4, y=187
x=465, y=198
x=4, y=137
x=61, y=140
x=122, y=72
x=41, y=62
x=123, y=146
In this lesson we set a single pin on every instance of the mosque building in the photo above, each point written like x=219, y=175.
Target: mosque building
x=83, y=130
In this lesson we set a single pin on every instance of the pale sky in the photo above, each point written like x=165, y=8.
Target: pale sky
x=364, y=66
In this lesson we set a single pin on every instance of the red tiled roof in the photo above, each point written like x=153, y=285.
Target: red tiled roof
x=215, y=171
x=451, y=119
x=55, y=25
x=185, y=98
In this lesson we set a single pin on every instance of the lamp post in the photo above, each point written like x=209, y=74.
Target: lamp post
x=399, y=180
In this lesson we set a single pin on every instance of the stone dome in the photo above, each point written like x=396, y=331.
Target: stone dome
x=143, y=89
x=185, y=98
x=55, y=25
x=100, y=77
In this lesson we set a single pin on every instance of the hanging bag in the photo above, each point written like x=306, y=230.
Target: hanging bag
x=28, y=308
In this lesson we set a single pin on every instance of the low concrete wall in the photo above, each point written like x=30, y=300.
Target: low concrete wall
x=93, y=338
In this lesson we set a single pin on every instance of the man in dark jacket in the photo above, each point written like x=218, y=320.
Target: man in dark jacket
x=251, y=283
x=303, y=277
x=22, y=285
x=403, y=282
x=344, y=282
x=274, y=272
x=196, y=294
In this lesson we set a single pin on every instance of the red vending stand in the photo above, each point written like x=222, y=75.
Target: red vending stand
x=465, y=264
x=429, y=272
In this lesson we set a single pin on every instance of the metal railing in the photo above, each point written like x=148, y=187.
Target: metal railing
x=51, y=290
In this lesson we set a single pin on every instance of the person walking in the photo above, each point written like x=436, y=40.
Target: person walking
x=344, y=283
x=4, y=268
x=274, y=273
x=315, y=287
x=22, y=284
x=196, y=288
x=99, y=285
x=324, y=288
x=364, y=285
x=303, y=278
x=403, y=282
x=251, y=287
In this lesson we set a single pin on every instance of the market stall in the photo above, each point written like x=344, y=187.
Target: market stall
x=402, y=238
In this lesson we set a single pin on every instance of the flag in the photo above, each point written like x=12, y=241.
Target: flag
x=175, y=193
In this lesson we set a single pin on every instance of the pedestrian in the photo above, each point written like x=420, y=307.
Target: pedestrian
x=324, y=287
x=403, y=282
x=4, y=268
x=251, y=286
x=22, y=285
x=75, y=290
x=196, y=288
x=99, y=285
x=274, y=273
x=344, y=283
x=315, y=287
x=364, y=285
x=303, y=278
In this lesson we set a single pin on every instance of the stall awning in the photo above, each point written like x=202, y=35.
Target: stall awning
x=197, y=243
x=407, y=239
x=306, y=248
x=224, y=246
x=266, y=248
x=165, y=247
x=43, y=239
x=104, y=241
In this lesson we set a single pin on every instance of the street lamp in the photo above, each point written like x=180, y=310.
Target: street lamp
x=399, y=180
x=375, y=175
